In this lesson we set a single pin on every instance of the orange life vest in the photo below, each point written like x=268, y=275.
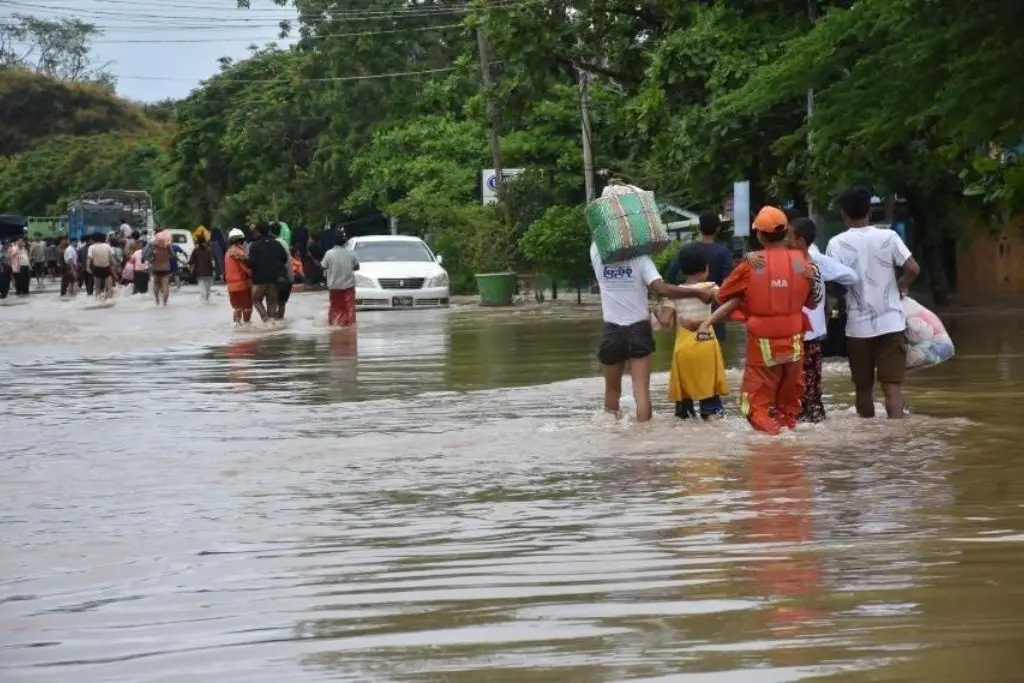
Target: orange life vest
x=776, y=295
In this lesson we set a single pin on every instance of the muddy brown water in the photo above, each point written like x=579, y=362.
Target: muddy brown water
x=439, y=499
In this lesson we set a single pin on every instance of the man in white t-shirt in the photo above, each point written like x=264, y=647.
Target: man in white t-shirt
x=69, y=279
x=100, y=262
x=875, y=322
x=627, y=335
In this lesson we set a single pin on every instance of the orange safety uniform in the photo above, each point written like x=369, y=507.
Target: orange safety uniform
x=236, y=272
x=773, y=299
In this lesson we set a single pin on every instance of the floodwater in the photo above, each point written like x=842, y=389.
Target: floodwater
x=441, y=500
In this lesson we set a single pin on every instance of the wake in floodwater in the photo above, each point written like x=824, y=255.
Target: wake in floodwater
x=95, y=304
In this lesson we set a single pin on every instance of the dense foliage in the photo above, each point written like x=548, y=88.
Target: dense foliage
x=61, y=138
x=377, y=112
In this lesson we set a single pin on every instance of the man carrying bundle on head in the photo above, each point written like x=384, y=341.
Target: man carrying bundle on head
x=626, y=229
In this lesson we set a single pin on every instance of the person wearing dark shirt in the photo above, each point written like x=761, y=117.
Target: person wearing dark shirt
x=717, y=255
x=268, y=261
x=203, y=267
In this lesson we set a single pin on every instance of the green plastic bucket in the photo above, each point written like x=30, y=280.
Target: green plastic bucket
x=496, y=289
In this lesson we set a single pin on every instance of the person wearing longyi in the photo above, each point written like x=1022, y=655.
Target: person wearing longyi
x=773, y=296
x=697, y=379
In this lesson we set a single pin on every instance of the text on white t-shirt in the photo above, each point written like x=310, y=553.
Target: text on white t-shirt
x=624, y=287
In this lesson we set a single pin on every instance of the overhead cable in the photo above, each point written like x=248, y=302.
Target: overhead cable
x=220, y=78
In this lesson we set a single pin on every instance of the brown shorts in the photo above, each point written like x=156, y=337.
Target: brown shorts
x=884, y=356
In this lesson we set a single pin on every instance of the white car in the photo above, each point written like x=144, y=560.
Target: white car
x=397, y=271
x=183, y=238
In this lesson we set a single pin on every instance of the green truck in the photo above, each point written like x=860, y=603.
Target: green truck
x=47, y=226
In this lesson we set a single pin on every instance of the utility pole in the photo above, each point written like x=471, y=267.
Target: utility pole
x=810, y=150
x=492, y=106
x=812, y=14
x=588, y=151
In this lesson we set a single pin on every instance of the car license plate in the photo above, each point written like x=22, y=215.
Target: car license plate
x=401, y=301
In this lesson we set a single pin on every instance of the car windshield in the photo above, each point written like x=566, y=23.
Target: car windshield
x=395, y=252
x=179, y=238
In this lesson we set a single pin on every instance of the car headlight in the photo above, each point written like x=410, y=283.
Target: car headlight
x=438, y=280
x=365, y=282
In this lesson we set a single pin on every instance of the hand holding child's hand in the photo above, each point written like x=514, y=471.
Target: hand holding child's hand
x=704, y=331
x=707, y=294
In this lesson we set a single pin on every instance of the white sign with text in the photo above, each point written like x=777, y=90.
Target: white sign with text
x=489, y=182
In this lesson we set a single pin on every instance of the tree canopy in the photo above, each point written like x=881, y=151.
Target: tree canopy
x=378, y=111
x=60, y=48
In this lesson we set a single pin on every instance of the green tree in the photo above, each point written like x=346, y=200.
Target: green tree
x=559, y=244
x=893, y=128
x=421, y=170
x=60, y=48
x=43, y=179
x=34, y=107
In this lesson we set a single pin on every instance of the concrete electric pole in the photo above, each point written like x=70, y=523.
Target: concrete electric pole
x=492, y=106
x=588, y=151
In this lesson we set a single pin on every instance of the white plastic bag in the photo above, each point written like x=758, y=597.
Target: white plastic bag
x=928, y=343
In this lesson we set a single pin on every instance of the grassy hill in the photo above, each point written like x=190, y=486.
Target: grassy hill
x=60, y=139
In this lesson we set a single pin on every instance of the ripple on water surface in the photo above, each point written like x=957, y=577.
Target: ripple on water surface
x=214, y=515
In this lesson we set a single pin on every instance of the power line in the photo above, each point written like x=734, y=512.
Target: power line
x=425, y=10
x=347, y=15
x=251, y=40
x=171, y=5
x=329, y=79
x=221, y=25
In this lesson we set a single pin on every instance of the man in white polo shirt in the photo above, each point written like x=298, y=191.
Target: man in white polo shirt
x=627, y=335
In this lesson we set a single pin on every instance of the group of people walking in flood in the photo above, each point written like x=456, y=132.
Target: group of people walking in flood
x=98, y=264
x=22, y=260
x=262, y=277
x=259, y=270
x=778, y=291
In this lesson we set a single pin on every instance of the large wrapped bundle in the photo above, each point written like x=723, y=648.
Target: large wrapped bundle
x=928, y=343
x=162, y=238
x=625, y=223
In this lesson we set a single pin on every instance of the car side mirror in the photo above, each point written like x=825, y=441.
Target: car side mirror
x=439, y=259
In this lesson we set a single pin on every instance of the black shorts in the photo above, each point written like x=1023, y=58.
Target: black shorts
x=100, y=273
x=284, y=292
x=620, y=343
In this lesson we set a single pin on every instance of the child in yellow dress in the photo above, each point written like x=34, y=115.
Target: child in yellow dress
x=697, y=380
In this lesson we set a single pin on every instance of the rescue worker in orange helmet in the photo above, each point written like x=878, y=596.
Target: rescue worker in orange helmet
x=772, y=290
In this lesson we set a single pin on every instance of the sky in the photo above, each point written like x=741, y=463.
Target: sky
x=163, y=48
